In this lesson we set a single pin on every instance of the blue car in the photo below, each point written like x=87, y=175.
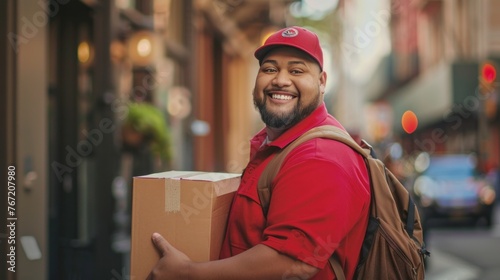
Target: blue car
x=449, y=187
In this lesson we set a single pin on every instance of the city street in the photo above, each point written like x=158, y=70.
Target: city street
x=460, y=253
x=97, y=94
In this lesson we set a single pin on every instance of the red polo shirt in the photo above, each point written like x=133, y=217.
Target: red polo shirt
x=319, y=203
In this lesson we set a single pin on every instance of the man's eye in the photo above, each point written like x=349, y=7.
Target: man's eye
x=268, y=70
x=296, y=71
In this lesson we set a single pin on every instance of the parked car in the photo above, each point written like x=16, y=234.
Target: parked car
x=448, y=186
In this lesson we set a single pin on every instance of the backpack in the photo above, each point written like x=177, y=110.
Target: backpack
x=393, y=246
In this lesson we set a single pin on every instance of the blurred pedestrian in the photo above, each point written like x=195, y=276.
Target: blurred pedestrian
x=320, y=197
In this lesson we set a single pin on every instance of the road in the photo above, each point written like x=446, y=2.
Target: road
x=465, y=253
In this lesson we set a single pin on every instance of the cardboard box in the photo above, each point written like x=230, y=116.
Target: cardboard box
x=188, y=208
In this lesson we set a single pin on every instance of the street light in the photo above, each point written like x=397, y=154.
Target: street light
x=85, y=53
x=143, y=48
x=143, y=51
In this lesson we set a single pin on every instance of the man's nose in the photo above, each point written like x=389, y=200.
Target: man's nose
x=282, y=79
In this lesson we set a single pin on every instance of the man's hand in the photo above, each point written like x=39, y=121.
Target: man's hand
x=258, y=262
x=173, y=264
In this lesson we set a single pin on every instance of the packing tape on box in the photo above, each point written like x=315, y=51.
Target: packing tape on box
x=172, y=195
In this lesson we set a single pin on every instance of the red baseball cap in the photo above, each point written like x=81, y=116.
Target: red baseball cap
x=294, y=36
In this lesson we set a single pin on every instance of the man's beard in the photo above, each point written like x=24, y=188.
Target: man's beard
x=284, y=120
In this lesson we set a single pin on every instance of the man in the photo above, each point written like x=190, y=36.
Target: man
x=320, y=197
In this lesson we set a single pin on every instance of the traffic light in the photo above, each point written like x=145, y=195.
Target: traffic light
x=488, y=87
x=487, y=77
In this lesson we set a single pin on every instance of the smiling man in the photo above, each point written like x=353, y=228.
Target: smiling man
x=320, y=197
x=285, y=73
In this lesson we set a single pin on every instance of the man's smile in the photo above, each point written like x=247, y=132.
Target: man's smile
x=279, y=95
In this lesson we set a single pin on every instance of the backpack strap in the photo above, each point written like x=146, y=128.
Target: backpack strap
x=274, y=165
x=411, y=217
x=337, y=268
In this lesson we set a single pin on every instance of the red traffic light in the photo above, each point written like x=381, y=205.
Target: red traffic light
x=488, y=72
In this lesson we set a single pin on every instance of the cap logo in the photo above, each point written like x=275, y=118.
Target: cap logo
x=290, y=32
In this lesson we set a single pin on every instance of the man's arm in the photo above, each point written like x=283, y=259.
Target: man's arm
x=259, y=262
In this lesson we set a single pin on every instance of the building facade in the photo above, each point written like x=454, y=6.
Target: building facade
x=434, y=70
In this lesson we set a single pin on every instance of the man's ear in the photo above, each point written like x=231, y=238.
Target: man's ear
x=322, y=81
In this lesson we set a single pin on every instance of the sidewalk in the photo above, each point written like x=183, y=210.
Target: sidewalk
x=443, y=266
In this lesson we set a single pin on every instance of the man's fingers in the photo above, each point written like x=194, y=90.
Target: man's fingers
x=160, y=243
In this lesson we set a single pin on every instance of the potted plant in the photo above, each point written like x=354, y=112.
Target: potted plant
x=145, y=124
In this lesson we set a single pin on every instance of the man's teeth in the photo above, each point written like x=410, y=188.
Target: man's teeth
x=282, y=96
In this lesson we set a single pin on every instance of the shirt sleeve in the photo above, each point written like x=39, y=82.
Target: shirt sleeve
x=314, y=204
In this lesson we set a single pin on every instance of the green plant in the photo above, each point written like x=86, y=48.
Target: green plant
x=149, y=122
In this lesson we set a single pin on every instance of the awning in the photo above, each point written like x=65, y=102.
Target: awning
x=433, y=95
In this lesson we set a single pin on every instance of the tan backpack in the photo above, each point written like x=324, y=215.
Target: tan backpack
x=393, y=247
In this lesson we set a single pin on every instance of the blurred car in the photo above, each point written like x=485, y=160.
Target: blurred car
x=449, y=187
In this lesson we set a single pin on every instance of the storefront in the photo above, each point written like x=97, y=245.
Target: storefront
x=451, y=113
